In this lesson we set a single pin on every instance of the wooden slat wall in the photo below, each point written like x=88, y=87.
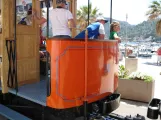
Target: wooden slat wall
x=27, y=46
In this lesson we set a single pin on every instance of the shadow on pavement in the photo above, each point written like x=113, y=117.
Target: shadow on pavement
x=134, y=103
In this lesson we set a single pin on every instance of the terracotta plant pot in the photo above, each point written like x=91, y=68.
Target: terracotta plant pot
x=136, y=90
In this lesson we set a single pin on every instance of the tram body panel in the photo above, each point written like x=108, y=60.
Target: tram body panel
x=68, y=72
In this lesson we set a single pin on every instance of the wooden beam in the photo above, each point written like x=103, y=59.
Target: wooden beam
x=5, y=34
x=54, y=3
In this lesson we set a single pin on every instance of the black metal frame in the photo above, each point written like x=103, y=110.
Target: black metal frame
x=11, y=57
x=48, y=77
x=88, y=11
x=111, y=12
x=15, y=45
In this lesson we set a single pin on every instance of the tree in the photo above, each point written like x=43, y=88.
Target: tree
x=154, y=13
x=82, y=16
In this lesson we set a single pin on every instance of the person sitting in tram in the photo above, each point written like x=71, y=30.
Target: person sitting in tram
x=60, y=18
x=96, y=30
x=28, y=19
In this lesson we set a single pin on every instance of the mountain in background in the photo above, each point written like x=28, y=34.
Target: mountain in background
x=142, y=31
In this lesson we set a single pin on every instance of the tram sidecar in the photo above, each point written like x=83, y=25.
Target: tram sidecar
x=67, y=63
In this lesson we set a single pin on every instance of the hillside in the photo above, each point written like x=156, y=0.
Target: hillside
x=142, y=31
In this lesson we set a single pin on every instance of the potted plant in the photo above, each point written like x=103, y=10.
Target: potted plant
x=123, y=72
x=136, y=86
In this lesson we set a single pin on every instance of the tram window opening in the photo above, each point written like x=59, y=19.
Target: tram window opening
x=24, y=12
x=44, y=14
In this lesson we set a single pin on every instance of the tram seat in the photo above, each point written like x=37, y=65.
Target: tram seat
x=11, y=114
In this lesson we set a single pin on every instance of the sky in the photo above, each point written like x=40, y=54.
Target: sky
x=135, y=9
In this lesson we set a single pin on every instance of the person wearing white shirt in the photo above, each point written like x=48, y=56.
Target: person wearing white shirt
x=60, y=19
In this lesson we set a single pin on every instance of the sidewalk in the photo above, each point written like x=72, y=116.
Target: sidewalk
x=128, y=107
x=132, y=108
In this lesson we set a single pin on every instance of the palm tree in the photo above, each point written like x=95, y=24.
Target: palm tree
x=154, y=13
x=82, y=16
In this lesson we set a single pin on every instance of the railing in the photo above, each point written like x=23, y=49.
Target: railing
x=12, y=71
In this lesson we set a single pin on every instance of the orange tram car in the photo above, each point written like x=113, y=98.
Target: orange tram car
x=81, y=77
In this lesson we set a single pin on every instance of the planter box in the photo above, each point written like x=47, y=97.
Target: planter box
x=136, y=90
x=131, y=64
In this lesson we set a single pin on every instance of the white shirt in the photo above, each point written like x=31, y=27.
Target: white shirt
x=101, y=29
x=59, y=19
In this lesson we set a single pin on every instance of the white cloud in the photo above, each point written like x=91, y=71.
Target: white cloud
x=135, y=9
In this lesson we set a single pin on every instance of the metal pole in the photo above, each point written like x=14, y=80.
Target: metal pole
x=48, y=4
x=126, y=39
x=88, y=11
x=15, y=47
x=111, y=13
x=47, y=54
x=86, y=75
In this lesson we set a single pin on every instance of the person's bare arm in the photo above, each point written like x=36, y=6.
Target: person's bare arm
x=39, y=21
x=117, y=38
x=101, y=36
x=71, y=23
x=101, y=32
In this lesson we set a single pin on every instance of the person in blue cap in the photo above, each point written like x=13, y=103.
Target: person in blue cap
x=96, y=30
x=60, y=18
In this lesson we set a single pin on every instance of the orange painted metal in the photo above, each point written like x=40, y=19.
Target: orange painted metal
x=68, y=71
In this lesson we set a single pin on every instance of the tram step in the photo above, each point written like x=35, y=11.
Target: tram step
x=11, y=114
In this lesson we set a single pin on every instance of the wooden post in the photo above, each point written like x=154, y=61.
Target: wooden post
x=54, y=3
x=6, y=4
x=74, y=12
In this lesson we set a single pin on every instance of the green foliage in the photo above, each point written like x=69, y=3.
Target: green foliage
x=83, y=12
x=148, y=78
x=82, y=15
x=154, y=10
x=140, y=76
x=123, y=73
